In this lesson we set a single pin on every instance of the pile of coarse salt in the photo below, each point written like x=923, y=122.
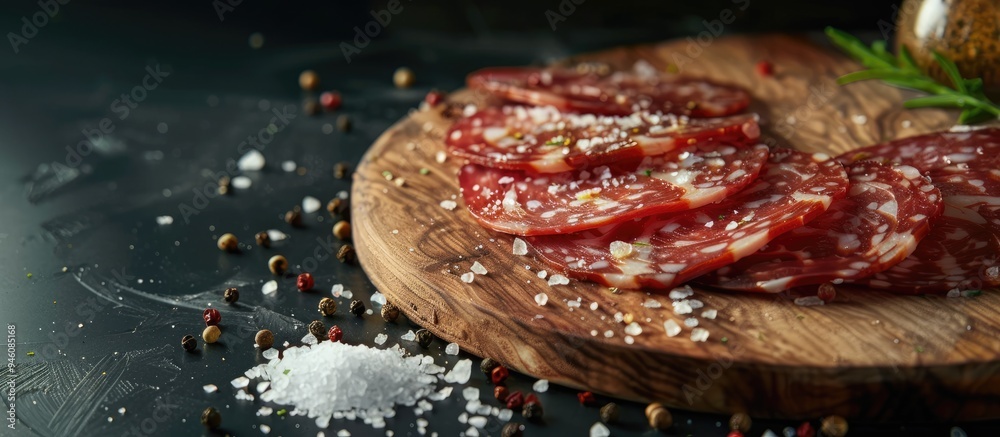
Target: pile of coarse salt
x=333, y=380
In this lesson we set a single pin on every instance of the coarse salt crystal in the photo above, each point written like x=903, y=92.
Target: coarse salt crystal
x=542, y=274
x=633, y=329
x=380, y=339
x=652, y=303
x=241, y=382
x=409, y=336
x=478, y=268
x=558, y=280
x=451, y=349
x=609, y=333
x=593, y=306
x=709, y=314
x=463, y=418
x=599, y=430
x=809, y=301
x=541, y=386
x=629, y=339
x=672, y=328
x=461, y=373
x=269, y=288
x=164, y=220
x=691, y=322
x=241, y=182
x=276, y=235
x=682, y=307
x=263, y=386
x=251, y=161
x=541, y=299
x=468, y=277
x=265, y=429
x=681, y=292
x=450, y=205
x=265, y=411
x=378, y=298
x=310, y=204
x=505, y=415
x=270, y=354
x=620, y=249
x=699, y=334
x=470, y=393
x=520, y=247
x=695, y=303
x=288, y=166
x=440, y=157
x=210, y=388
x=573, y=304
x=477, y=421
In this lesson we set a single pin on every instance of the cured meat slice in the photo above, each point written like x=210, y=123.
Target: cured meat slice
x=619, y=93
x=662, y=251
x=978, y=149
x=887, y=211
x=963, y=245
x=538, y=203
x=548, y=141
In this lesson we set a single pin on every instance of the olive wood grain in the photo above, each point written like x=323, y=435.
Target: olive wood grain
x=869, y=354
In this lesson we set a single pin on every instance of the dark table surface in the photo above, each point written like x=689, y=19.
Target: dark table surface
x=99, y=294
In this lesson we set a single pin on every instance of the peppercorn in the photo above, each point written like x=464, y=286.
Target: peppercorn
x=278, y=265
x=334, y=206
x=211, y=334
x=390, y=312
x=357, y=308
x=609, y=413
x=512, y=429
x=264, y=339
x=515, y=400
x=740, y=422
x=805, y=430
x=305, y=282
x=499, y=375
x=330, y=100
x=327, y=306
x=212, y=316
x=826, y=292
x=294, y=217
x=309, y=80
x=344, y=123
x=263, y=240
x=434, y=97
x=500, y=392
x=188, y=343
x=659, y=417
x=231, y=295
x=342, y=230
x=228, y=243
x=211, y=418
x=531, y=398
x=833, y=426
x=340, y=170
x=346, y=254
x=224, y=184
x=532, y=411
x=403, y=77
x=318, y=329
x=488, y=365
x=335, y=334
x=586, y=398
x=424, y=338
x=310, y=106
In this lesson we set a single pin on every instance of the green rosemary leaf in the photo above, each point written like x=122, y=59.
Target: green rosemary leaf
x=951, y=70
x=974, y=115
x=947, y=100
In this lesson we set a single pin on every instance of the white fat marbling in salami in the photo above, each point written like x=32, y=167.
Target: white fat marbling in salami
x=976, y=148
x=546, y=140
x=552, y=203
x=887, y=211
x=662, y=251
x=619, y=93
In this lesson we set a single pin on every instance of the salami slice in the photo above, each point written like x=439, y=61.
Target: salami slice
x=978, y=149
x=619, y=93
x=662, y=251
x=886, y=213
x=545, y=140
x=551, y=203
x=961, y=246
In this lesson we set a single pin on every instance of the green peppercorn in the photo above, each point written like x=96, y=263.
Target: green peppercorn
x=231, y=295
x=833, y=426
x=512, y=429
x=740, y=422
x=609, y=413
x=317, y=329
x=488, y=365
x=211, y=418
x=327, y=306
x=390, y=312
x=263, y=239
x=357, y=308
x=424, y=338
x=346, y=254
x=189, y=343
x=532, y=411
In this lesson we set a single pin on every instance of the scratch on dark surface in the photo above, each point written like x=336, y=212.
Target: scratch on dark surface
x=66, y=394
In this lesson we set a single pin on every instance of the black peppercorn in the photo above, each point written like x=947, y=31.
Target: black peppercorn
x=424, y=338
x=532, y=411
x=833, y=426
x=609, y=413
x=327, y=306
x=211, y=418
x=344, y=123
x=357, y=308
x=294, y=217
x=390, y=312
x=488, y=365
x=340, y=170
x=512, y=429
x=263, y=240
x=346, y=254
x=317, y=329
x=740, y=422
x=335, y=206
x=189, y=343
x=231, y=295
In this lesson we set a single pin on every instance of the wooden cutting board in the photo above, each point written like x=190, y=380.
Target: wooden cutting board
x=869, y=354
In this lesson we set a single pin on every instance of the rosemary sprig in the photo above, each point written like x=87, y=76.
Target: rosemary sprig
x=902, y=71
